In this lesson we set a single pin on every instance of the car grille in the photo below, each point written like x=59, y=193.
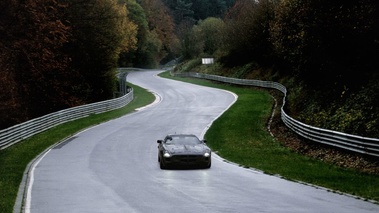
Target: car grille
x=188, y=159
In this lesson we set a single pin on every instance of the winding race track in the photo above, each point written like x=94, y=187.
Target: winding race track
x=113, y=167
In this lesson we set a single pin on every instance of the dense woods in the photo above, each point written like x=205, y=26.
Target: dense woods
x=325, y=52
x=56, y=54
x=33, y=65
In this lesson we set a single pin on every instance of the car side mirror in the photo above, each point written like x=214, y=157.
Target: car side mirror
x=159, y=141
x=204, y=141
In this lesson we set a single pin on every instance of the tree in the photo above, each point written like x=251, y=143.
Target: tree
x=332, y=49
x=328, y=41
x=32, y=61
x=56, y=54
x=210, y=8
x=248, y=32
x=146, y=54
x=136, y=15
x=192, y=43
x=101, y=30
x=183, y=11
x=205, y=38
x=161, y=24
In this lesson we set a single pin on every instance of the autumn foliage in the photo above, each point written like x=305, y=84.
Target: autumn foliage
x=56, y=54
x=325, y=52
x=32, y=64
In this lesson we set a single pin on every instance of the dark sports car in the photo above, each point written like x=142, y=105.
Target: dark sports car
x=183, y=150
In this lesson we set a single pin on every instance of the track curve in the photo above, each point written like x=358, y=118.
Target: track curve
x=113, y=167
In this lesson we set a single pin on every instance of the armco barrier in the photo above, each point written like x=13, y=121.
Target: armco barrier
x=29, y=128
x=363, y=145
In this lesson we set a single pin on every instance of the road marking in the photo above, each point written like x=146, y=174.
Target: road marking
x=30, y=185
x=210, y=124
x=30, y=179
x=157, y=100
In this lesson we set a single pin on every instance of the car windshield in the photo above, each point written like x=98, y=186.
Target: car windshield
x=182, y=140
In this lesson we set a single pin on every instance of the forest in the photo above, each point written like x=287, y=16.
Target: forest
x=56, y=54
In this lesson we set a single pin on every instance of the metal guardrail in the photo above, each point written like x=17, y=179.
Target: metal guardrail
x=16, y=133
x=29, y=128
x=363, y=145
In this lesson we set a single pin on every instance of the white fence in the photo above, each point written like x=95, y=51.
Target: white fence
x=363, y=145
x=29, y=128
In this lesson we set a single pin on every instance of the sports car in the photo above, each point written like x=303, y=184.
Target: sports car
x=183, y=150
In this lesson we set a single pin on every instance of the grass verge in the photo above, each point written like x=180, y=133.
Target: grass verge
x=14, y=160
x=240, y=136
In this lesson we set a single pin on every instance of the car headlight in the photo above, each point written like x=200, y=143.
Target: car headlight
x=166, y=155
x=207, y=154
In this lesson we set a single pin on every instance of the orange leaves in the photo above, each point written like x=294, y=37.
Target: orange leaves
x=59, y=53
x=32, y=37
x=161, y=22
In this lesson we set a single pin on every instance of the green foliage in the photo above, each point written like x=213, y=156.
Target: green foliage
x=184, y=10
x=209, y=8
x=241, y=72
x=211, y=68
x=244, y=140
x=161, y=23
x=212, y=34
x=189, y=66
x=325, y=52
x=137, y=15
x=192, y=43
x=99, y=32
x=151, y=50
x=328, y=41
x=146, y=55
x=204, y=38
x=247, y=33
x=152, y=42
x=331, y=48
x=356, y=115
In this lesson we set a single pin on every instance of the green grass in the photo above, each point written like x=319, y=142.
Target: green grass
x=240, y=136
x=14, y=160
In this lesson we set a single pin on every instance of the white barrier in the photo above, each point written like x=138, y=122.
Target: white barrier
x=16, y=133
x=359, y=144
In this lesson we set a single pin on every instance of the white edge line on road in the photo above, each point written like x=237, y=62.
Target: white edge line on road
x=157, y=100
x=209, y=125
x=30, y=180
x=30, y=176
x=30, y=185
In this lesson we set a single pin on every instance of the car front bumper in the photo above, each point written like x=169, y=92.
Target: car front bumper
x=187, y=160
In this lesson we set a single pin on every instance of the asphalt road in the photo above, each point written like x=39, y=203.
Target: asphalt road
x=113, y=167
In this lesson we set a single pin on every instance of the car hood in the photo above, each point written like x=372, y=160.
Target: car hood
x=186, y=149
